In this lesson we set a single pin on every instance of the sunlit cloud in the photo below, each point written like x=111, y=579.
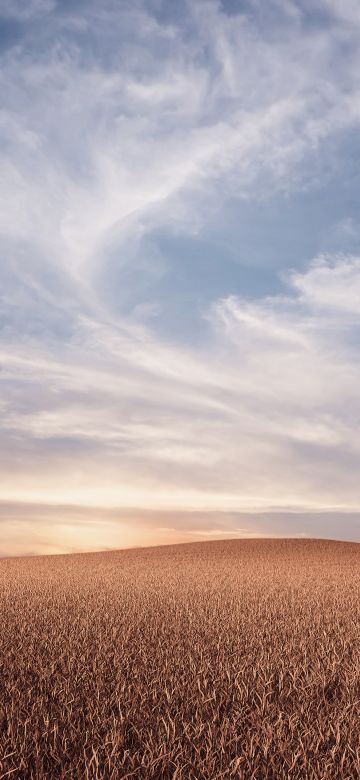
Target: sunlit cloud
x=129, y=134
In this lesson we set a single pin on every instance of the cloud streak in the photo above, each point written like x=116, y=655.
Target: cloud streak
x=126, y=129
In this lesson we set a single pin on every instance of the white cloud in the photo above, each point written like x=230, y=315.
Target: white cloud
x=105, y=138
x=333, y=284
x=346, y=10
x=89, y=147
x=262, y=417
x=23, y=10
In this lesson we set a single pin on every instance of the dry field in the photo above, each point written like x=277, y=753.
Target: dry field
x=236, y=659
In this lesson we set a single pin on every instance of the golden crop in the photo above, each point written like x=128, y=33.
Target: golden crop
x=208, y=661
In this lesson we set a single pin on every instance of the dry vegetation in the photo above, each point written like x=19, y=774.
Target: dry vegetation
x=207, y=661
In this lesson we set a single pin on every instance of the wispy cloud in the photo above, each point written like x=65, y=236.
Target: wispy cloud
x=261, y=416
x=124, y=126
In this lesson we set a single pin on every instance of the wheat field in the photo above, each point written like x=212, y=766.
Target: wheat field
x=206, y=661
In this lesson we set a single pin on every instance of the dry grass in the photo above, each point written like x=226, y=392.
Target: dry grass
x=207, y=661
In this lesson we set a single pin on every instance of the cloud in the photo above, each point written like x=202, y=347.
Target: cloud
x=27, y=529
x=124, y=124
x=332, y=285
x=261, y=418
x=24, y=10
x=201, y=109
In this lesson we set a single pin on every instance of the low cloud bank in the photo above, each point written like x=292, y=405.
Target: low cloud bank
x=38, y=529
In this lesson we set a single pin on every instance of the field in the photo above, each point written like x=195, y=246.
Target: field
x=235, y=659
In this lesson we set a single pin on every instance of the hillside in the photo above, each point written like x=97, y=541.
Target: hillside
x=231, y=659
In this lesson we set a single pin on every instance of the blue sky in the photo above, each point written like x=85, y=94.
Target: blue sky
x=180, y=271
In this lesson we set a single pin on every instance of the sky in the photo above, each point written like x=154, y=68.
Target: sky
x=180, y=271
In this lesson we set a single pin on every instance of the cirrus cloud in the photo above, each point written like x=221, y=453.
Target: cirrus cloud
x=126, y=129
